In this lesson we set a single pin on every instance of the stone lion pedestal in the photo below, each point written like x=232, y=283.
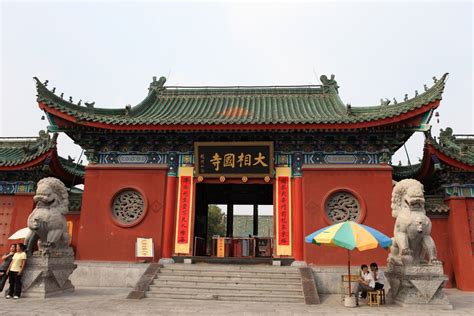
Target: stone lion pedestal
x=414, y=272
x=418, y=286
x=48, y=275
x=47, y=270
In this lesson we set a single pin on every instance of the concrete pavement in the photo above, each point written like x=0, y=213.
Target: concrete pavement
x=111, y=301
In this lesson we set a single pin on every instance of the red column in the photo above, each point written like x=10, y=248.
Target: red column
x=298, y=236
x=169, y=220
x=460, y=239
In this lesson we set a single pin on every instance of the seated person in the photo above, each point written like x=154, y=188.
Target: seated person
x=365, y=284
x=378, y=275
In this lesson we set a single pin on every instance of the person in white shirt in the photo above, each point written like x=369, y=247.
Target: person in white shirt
x=378, y=276
x=365, y=284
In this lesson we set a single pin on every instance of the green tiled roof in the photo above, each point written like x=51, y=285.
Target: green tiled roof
x=71, y=167
x=457, y=147
x=17, y=151
x=170, y=105
x=405, y=172
x=435, y=205
x=75, y=199
x=460, y=148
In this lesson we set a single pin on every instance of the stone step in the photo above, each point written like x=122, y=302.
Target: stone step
x=228, y=297
x=252, y=274
x=210, y=278
x=245, y=282
x=223, y=267
x=224, y=289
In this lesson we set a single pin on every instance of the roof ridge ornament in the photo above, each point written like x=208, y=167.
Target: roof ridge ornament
x=157, y=85
x=349, y=109
x=128, y=108
x=89, y=105
x=329, y=84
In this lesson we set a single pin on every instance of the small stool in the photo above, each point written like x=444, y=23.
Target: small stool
x=381, y=294
x=373, y=298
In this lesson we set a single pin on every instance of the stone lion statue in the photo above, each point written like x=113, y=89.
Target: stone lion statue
x=412, y=232
x=47, y=224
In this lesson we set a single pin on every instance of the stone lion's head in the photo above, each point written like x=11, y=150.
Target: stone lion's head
x=408, y=194
x=51, y=193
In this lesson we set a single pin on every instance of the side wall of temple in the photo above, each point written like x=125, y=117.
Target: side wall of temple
x=15, y=209
x=101, y=236
x=372, y=185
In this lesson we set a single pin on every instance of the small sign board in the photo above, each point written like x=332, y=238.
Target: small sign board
x=69, y=230
x=234, y=159
x=221, y=247
x=144, y=248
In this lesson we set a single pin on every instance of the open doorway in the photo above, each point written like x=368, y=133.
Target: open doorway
x=243, y=213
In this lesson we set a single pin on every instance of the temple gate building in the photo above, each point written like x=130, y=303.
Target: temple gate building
x=156, y=167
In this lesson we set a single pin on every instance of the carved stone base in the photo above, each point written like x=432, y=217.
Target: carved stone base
x=46, y=276
x=418, y=286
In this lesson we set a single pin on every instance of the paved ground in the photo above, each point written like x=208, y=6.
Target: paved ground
x=103, y=301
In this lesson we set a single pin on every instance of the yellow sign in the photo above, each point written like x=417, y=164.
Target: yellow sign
x=184, y=210
x=69, y=230
x=144, y=248
x=283, y=212
x=221, y=247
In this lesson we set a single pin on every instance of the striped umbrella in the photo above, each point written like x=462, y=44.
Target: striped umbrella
x=349, y=235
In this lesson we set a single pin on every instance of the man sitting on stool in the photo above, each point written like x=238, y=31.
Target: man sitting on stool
x=378, y=276
x=365, y=284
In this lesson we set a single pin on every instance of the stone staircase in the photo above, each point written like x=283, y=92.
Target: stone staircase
x=254, y=283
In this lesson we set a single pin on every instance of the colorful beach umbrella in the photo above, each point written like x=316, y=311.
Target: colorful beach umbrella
x=349, y=235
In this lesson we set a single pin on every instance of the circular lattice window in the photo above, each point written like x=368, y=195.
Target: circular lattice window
x=342, y=206
x=128, y=207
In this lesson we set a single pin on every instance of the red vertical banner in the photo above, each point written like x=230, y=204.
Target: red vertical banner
x=184, y=210
x=283, y=212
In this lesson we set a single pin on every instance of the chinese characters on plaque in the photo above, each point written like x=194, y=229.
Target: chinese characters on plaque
x=234, y=159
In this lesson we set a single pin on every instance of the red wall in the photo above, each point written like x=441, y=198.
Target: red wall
x=14, y=212
x=442, y=239
x=373, y=184
x=460, y=241
x=100, y=237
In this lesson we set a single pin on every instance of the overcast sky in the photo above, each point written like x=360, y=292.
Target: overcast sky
x=108, y=52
